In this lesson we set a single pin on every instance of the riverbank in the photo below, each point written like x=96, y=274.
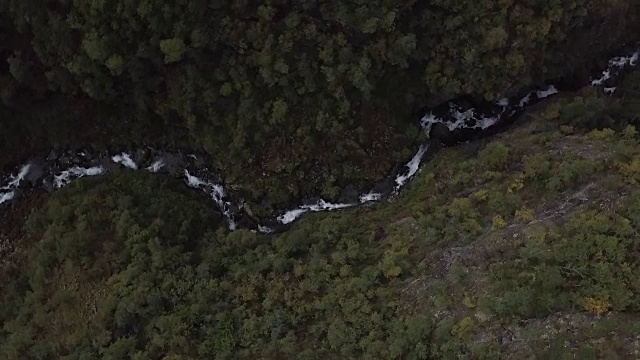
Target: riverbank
x=450, y=123
x=455, y=264
x=271, y=162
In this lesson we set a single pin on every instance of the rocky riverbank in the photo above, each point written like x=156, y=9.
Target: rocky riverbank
x=449, y=124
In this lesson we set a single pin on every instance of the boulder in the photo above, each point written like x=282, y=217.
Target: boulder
x=173, y=163
x=385, y=186
x=53, y=155
x=349, y=194
x=441, y=132
x=142, y=156
x=36, y=172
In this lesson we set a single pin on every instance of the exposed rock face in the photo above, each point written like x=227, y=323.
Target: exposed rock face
x=441, y=133
x=38, y=166
x=142, y=155
x=349, y=194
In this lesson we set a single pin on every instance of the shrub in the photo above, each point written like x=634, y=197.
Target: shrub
x=494, y=156
x=498, y=222
x=524, y=214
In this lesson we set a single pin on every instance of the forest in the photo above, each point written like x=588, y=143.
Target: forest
x=291, y=99
x=519, y=245
x=489, y=241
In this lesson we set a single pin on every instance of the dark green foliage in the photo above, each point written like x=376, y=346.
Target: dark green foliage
x=590, y=262
x=300, y=97
x=495, y=156
x=587, y=113
x=602, y=112
x=92, y=251
x=135, y=266
x=132, y=266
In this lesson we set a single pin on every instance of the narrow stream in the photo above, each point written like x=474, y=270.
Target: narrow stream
x=58, y=170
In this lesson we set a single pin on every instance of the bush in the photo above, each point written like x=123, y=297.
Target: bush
x=118, y=263
x=494, y=156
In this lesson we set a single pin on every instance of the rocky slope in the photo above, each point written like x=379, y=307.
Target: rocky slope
x=522, y=245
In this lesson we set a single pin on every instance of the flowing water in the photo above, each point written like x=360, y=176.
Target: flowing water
x=58, y=171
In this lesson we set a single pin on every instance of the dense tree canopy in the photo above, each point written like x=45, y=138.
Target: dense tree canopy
x=307, y=95
x=492, y=238
x=297, y=99
x=118, y=271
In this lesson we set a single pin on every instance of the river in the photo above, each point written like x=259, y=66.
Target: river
x=58, y=170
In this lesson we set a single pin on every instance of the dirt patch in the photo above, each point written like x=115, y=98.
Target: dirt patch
x=536, y=338
x=587, y=150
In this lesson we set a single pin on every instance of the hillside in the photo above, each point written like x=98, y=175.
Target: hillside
x=291, y=100
x=522, y=245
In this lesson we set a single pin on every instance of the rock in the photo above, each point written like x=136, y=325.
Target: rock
x=85, y=155
x=266, y=201
x=36, y=172
x=247, y=212
x=53, y=155
x=94, y=162
x=173, y=164
x=142, y=156
x=157, y=168
x=349, y=194
x=384, y=186
x=19, y=192
x=440, y=132
x=64, y=161
x=310, y=201
x=245, y=222
x=198, y=161
x=48, y=186
x=108, y=164
x=234, y=210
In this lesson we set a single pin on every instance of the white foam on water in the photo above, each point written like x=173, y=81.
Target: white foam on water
x=606, y=75
x=125, y=160
x=413, y=165
x=617, y=63
x=291, y=216
x=485, y=122
x=193, y=181
x=365, y=198
x=216, y=192
x=551, y=90
x=6, y=197
x=525, y=100
x=322, y=205
x=461, y=117
x=14, y=181
x=76, y=172
x=428, y=120
x=457, y=118
x=13, y=184
x=265, y=229
x=94, y=171
x=156, y=166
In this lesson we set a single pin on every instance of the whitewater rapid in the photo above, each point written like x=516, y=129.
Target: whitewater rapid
x=454, y=117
